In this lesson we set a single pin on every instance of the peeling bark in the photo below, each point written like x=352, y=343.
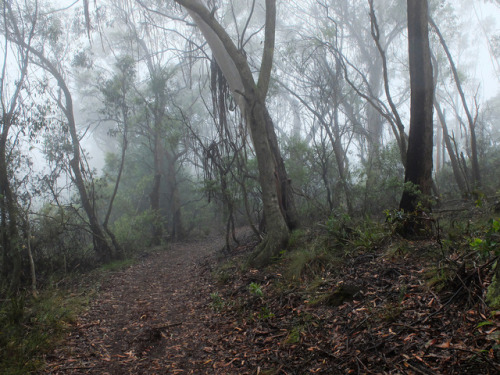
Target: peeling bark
x=250, y=97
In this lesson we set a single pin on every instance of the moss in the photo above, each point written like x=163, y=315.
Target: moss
x=438, y=278
x=493, y=293
x=293, y=336
x=269, y=249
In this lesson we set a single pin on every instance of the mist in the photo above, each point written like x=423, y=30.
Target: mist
x=290, y=131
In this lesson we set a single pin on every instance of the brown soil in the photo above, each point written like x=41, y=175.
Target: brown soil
x=150, y=318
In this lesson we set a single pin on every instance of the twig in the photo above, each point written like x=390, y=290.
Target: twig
x=451, y=299
x=416, y=369
x=166, y=326
x=492, y=364
x=362, y=364
x=78, y=368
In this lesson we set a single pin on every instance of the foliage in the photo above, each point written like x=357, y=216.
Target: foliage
x=490, y=244
x=489, y=162
x=31, y=327
x=311, y=259
x=217, y=303
x=355, y=234
x=134, y=232
x=296, y=237
x=416, y=225
x=255, y=289
x=338, y=227
x=265, y=313
x=380, y=181
x=60, y=244
x=305, y=171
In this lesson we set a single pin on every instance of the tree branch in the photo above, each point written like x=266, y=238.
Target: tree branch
x=268, y=53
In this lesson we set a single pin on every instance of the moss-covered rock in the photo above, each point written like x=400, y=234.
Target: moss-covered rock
x=493, y=293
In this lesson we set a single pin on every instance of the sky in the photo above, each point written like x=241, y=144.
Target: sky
x=487, y=67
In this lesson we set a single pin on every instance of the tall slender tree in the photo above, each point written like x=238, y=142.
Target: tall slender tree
x=418, y=170
x=10, y=243
x=476, y=175
x=251, y=96
x=39, y=56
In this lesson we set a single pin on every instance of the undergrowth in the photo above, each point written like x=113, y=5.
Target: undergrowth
x=371, y=280
x=320, y=251
x=32, y=326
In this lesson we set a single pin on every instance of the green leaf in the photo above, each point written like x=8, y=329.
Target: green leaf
x=495, y=225
x=476, y=243
x=485, y=323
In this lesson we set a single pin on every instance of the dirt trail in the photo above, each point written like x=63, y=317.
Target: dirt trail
x=155, y=318
x=152, y=318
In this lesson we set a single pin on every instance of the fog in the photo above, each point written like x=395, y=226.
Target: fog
x=156, y=120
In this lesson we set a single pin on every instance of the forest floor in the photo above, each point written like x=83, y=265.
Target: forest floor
x=183, y=310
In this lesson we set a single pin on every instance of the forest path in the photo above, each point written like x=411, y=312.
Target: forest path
x=151, y=318
x=156, y=317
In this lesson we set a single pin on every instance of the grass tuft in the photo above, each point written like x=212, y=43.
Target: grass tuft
x=32, y=327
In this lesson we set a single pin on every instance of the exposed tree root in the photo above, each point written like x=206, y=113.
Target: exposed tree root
x=269, y=249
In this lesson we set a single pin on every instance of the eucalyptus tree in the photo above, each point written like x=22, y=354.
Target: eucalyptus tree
x=418, y=168
x=116, y=92
x=346, y=79
x=250, y=97
x=325, y=96
x=457, y=93
x=153, y=126
x=471, y=121
x=12, y=85
x=223, y=154
x=46, y=50
x=368, y=38
x=458, y=171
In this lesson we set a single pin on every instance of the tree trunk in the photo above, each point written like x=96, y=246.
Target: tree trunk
x=399, y=130
x=251, y=100
x=418, y=170
x=11, y=264
x=476, y=176
x=30, y=252
x=374, y=119
x=375, y=127
x=439, y=146
x=9, y=233
x=114, y=241
x=457, y=173
x=284, y=183
x=101, y=245
x=154, y=199
x=175, y=200
x=277, y=230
